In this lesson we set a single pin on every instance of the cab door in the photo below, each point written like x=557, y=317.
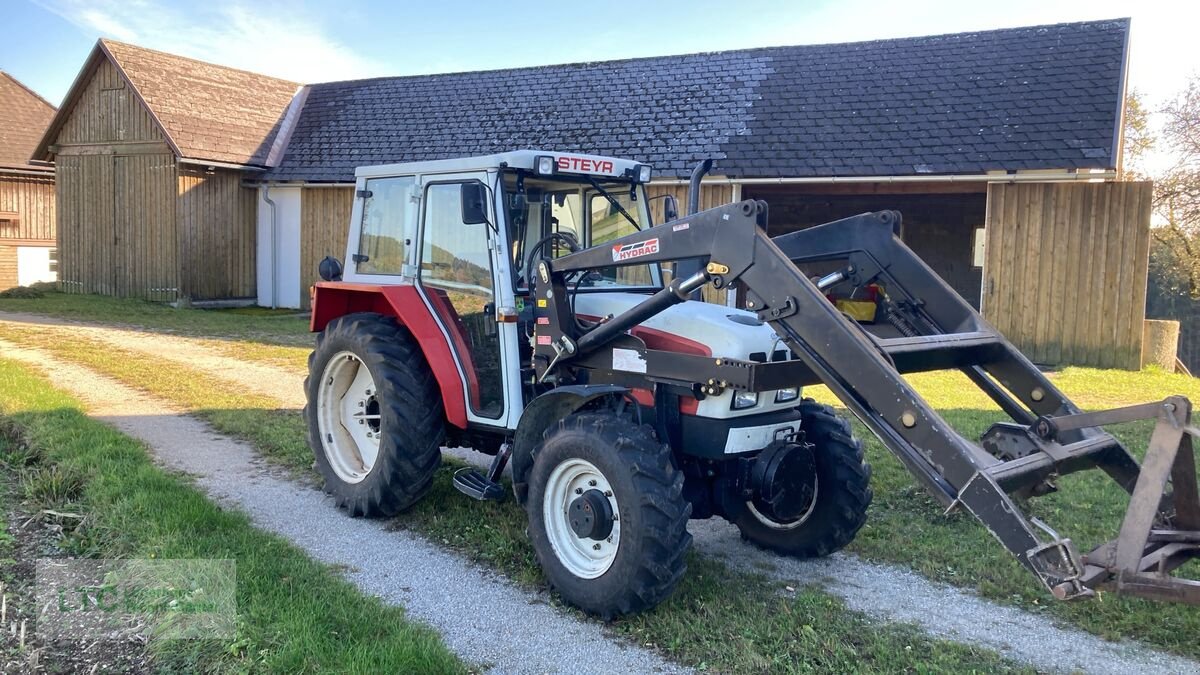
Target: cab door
x=458, y=271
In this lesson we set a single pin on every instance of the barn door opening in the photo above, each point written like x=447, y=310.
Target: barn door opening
x=144, y=234
x=1065, y=270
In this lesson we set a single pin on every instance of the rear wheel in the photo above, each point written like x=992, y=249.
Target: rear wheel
x=837, y=499
x=374, y=415
x=607, y=515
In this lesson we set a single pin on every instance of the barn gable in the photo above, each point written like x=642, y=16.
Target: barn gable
x=150, y=150
x=26, y=189
x=200, y=111
x=23, y=117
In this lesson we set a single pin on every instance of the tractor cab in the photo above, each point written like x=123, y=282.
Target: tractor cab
x=461, y=233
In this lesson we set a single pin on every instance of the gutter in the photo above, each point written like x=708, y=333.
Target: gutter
x=219, y=165
x=255, y=183
x=939, y=178
x=274, y=247
x=27, y=172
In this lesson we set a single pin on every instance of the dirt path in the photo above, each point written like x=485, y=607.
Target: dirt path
x=258, y=378
x=889, y=593
x=473, y=610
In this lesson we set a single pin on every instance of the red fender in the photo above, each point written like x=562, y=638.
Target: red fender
x=333, y=299
x=668, y=342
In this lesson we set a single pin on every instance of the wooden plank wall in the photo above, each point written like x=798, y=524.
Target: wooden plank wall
x=217, y=237
x=8, y=267
x=710, y=196
x=108, y=111
x=32, y=198
x=86, y=230
x=324, y=227
x=147, y=264
x=116, y=225
x=1065, y=275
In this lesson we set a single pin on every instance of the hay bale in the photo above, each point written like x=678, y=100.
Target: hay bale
x=1160, y=342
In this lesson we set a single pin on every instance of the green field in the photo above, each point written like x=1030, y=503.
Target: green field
x=295, y=615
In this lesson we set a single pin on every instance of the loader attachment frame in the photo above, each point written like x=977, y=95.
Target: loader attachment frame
x=1049, y=436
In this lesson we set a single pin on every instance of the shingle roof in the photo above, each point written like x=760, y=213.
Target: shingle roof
x=1021, y=98
x=23, y=117
x=209, y=112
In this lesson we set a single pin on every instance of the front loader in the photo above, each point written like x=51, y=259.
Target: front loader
x=626, y=408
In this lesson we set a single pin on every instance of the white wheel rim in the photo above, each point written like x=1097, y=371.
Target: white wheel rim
x=348, y=417
x=583, y=557
x=791, y=524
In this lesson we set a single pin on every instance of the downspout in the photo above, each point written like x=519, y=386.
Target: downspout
x=274, y=247
x=685, y=269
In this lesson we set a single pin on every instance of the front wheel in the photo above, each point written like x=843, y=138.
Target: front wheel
x=607, y=515
x=838, y=498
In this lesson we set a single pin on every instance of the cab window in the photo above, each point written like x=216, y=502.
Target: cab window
x=538, y=207
x=386, y=212
x=456, y=272
x=608, y=223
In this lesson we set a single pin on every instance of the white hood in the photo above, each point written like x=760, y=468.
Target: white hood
x=725, y=331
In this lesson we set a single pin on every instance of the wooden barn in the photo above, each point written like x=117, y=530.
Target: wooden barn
x=150, y=151
x=27, y=253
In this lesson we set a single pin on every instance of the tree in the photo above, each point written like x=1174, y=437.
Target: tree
x=1177, y=189
x=1137, y=139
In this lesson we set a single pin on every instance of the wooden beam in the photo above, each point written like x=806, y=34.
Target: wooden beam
x=881, y=188
x=128, y=148
x=45, y=243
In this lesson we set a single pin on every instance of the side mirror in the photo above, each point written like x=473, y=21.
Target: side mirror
x=474, y=203
x=670, y=208
x=330, y=269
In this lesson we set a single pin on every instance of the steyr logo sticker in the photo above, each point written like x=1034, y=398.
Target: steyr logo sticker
x=630, y=251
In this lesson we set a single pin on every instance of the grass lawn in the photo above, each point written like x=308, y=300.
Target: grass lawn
x=719, y=619
x=247, y=324
x=294, y=614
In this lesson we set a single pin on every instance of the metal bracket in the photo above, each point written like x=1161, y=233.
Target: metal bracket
x=775, y=313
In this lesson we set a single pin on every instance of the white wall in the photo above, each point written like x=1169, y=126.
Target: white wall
x=285, y=253
x=33, y=265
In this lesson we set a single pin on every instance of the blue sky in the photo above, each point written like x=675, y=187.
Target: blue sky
x=46, y=41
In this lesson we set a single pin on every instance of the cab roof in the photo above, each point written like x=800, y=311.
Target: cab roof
x=565, y=162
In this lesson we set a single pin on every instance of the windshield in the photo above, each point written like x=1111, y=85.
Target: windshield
x=591, y=213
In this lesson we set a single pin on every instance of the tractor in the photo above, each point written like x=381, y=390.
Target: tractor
x=524, y=305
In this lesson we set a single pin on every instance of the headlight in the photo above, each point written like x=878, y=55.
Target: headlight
x=744, y=399
x=785, y=395
x=544, y=166
x=644, y=171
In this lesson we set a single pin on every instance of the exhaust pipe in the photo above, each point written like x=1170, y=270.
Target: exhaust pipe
x=685, y=269
x=698, y=175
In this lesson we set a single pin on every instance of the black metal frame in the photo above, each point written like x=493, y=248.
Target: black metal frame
x=1049, y=435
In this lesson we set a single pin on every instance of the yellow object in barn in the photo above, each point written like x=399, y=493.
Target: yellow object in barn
x=862, y=311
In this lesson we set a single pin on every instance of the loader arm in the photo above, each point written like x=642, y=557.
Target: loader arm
x=937, y=330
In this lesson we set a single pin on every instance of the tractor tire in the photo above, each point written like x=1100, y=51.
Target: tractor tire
x=590, y=467
x=843, y=493
x=374, y=415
